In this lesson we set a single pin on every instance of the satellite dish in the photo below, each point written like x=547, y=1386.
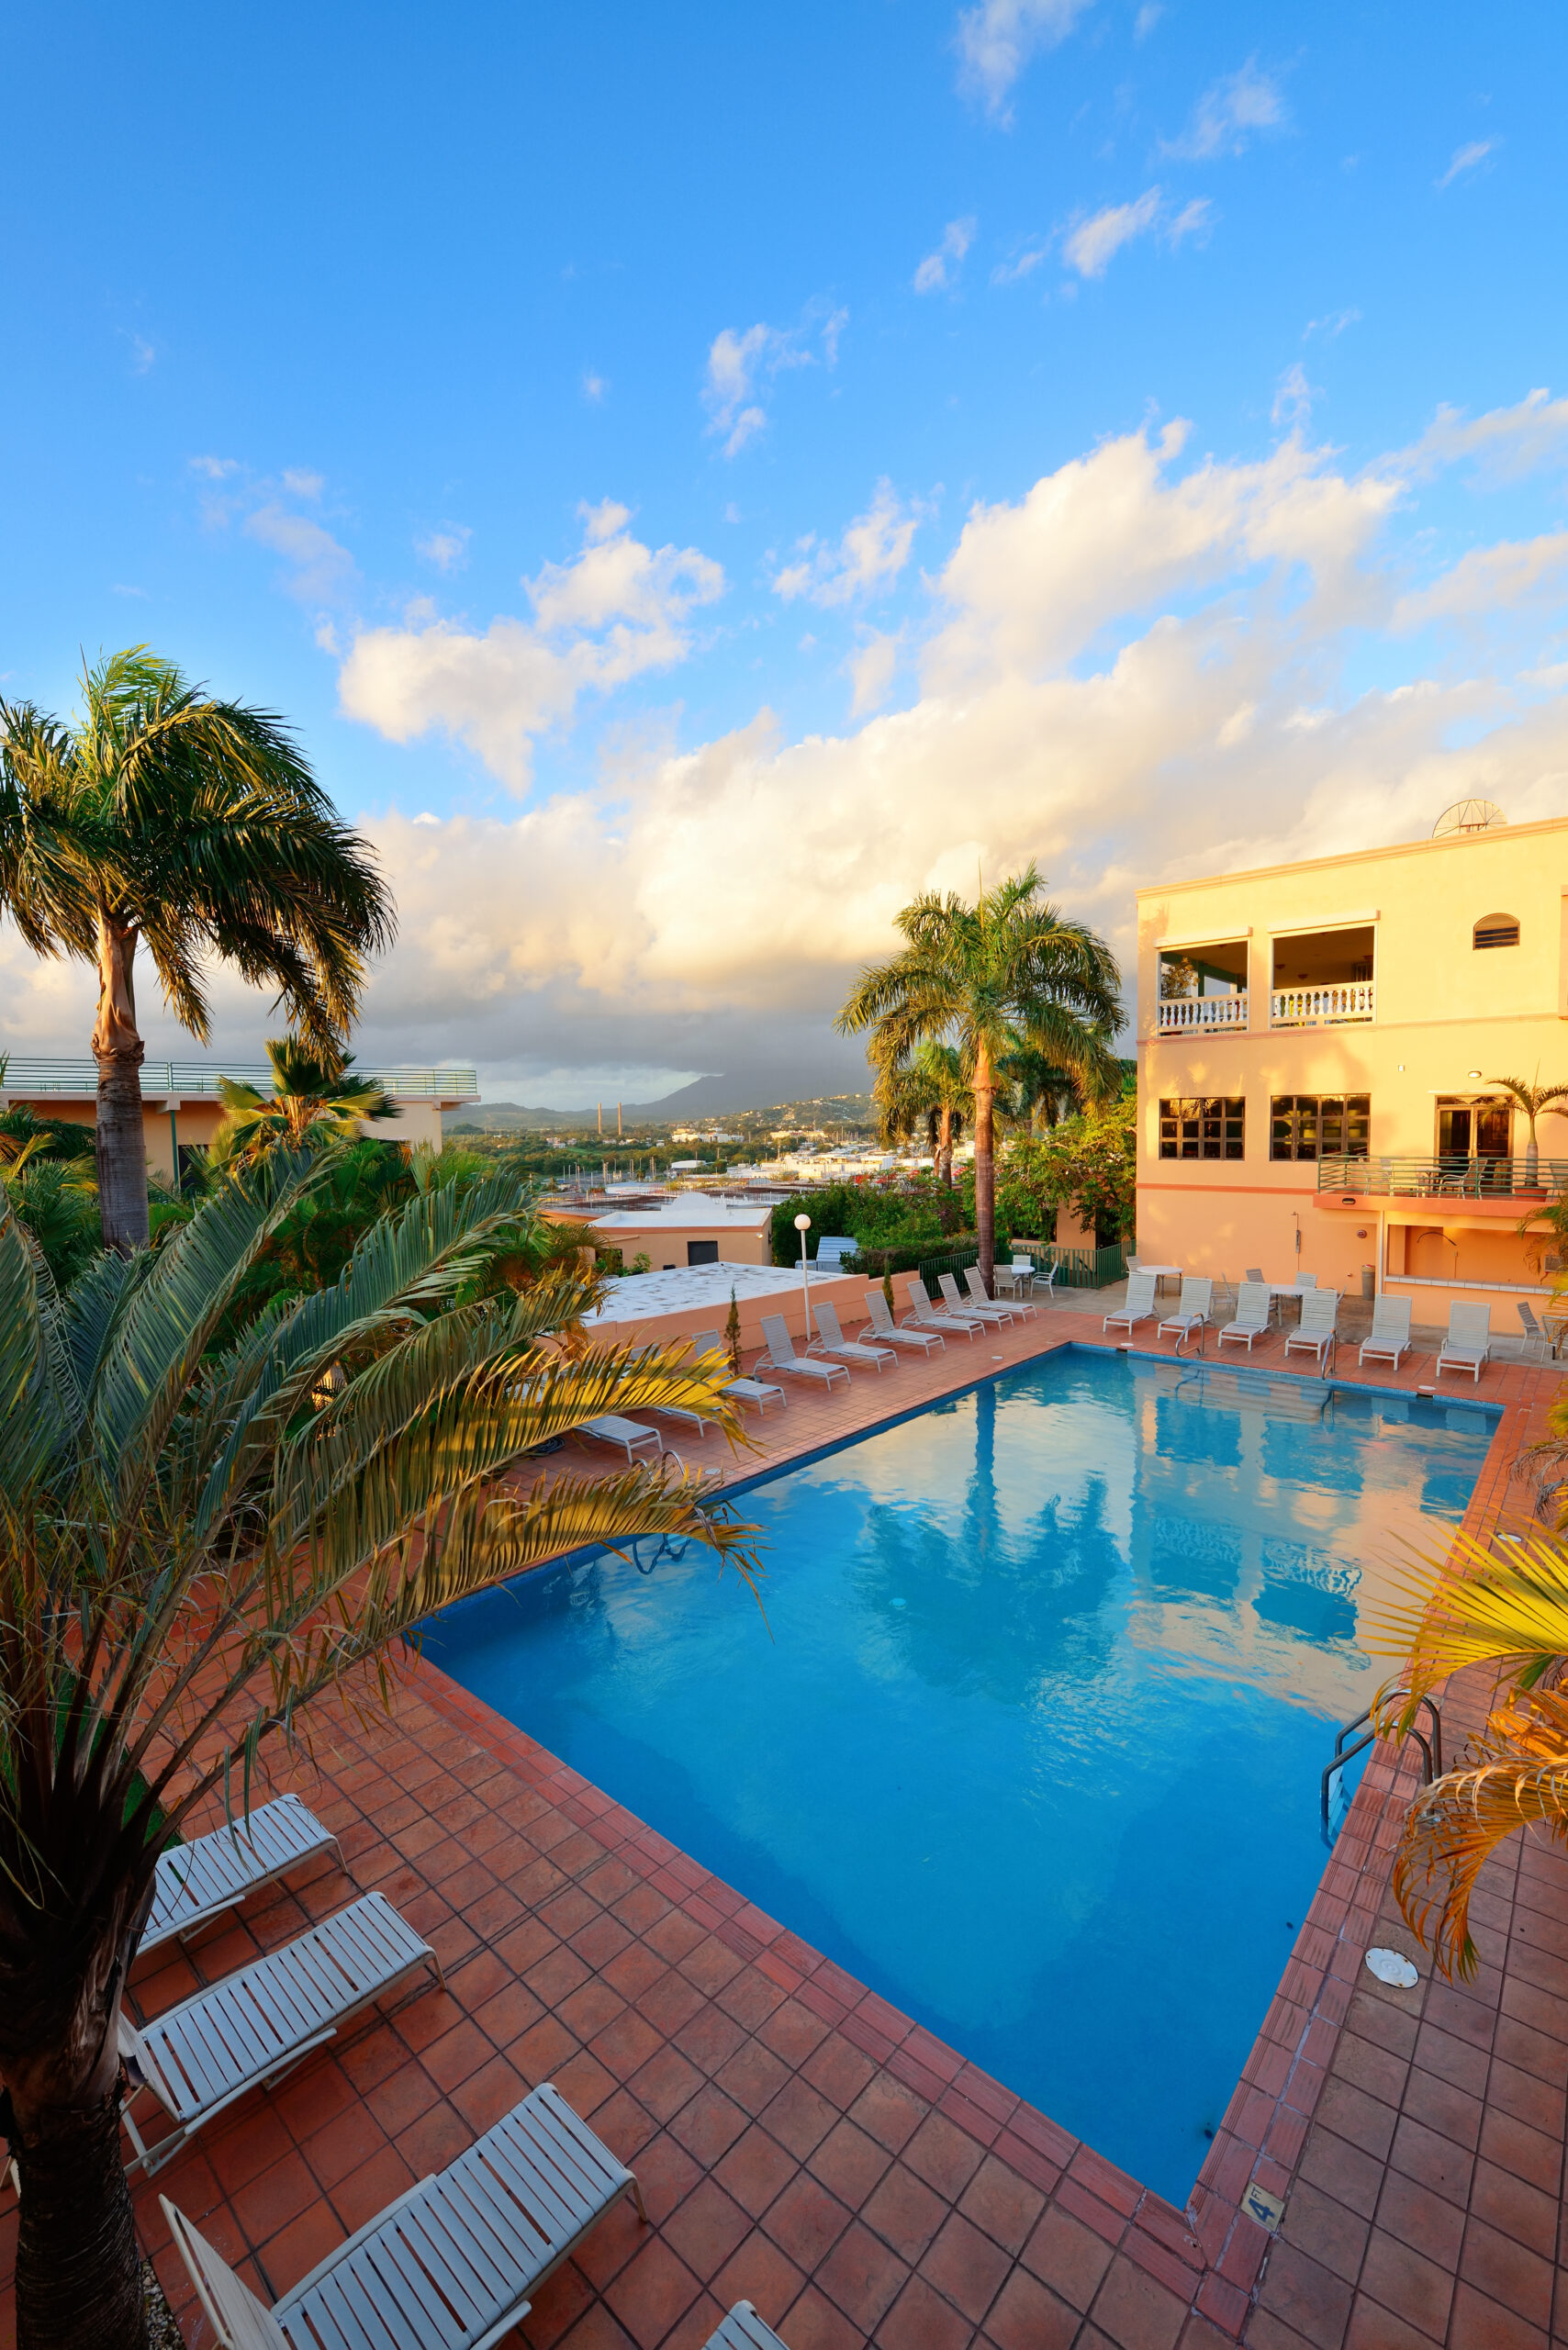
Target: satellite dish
x=1469, y=816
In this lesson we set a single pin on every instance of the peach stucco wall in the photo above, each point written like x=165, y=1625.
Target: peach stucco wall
x=1442, y=1010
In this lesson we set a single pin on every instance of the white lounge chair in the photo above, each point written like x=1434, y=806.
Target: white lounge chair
x=1138, y=1306
x=635, y=1439
x=1307, y=1280
x=1390, y=1335
x=743, y=2329
x=1253, y=1318
x=668, y=1411
x=831, y=1340
x=924, y=1315
x=451, y=2265
x=884, y=1328
x=1193, y=1308
x=212, y=1874
x=1254, y=1273
x=1468, y=1344
x=782, y=1355
x=1537, y=1338
x=750, y=1390
x=1000, y=1316
x=257, y=2024
x=1016, y=1302
x=1315, y=1332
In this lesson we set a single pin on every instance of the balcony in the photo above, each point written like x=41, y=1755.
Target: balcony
x=1322, y=1007
x=35, y=1081
x=1444, y=1178
x=1200, y=1014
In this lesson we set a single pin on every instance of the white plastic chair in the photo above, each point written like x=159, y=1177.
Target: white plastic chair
x=1468, y=1344
x=633, y=1438
x=1252, y=1319
x=927, y=1316
x=884, y=1327
x=1315, y=1332
x=256, y=2025
x=1017, y=1304
x=831, y=1341
x=743, y=2329
x=999, y=1316
x=782, y=1355
x=1193, y=1308
x=1138, y=1306
x=1537, y=1340
x=212, y=1874
x=1389, y=1337
x=451, y=2265
x=749, y=1390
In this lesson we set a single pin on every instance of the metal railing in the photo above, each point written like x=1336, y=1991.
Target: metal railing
x=1346, y=1746
x=26, y=1080
x=1078, y=1268
x=1445, y=1178
x=1188, y=1015
x=1322, y=1007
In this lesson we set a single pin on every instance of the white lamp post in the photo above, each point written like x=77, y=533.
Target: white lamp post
x=803, y=1226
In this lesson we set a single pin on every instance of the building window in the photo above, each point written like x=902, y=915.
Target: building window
x=1319, y=1125
x=701, y=1252
x=1211, y=1127
x=1495, y=929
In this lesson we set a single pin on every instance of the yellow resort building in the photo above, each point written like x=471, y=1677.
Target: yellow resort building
x=1318, y=1052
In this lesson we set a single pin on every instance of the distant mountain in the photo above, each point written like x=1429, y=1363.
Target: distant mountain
x=706, y=1097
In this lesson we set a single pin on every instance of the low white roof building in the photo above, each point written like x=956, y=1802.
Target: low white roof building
x=637, y=1297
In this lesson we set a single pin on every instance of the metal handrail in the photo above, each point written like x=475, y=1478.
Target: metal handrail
x=1431, y=1749
x=1441, y=1177
x=26, y=1079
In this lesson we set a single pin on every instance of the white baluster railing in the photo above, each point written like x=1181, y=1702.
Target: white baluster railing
x=1187, y=1014
x=1316, y=1007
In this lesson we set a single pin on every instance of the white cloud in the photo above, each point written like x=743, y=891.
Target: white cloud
x=941, y=268
x=119, y=589
x=1331, y=326
x=1194, y=219
x=1147, y=16
x=873, y=550
x=615, y=610
x=1487, y=582
x=594, y=387
x=214, y=468
x=1294, y=399
x=1022, y=264
x=737, y=366
x=1465, y=159
x=871, y=669
x=996, y=38
x=142, y=355
x=447, y=547
x=1504, y=445
x=301, y=484
x=1228, y=114
x=322, y=572
x=1089, y=246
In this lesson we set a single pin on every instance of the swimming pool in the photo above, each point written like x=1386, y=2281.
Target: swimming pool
x=1030, y=1740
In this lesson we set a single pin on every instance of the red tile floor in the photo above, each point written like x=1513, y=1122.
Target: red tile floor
x=802, y=2144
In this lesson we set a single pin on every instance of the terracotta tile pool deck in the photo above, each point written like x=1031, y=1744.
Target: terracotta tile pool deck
x=802, y=2144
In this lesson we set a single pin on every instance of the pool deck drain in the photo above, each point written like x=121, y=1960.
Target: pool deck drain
x=803, y=2144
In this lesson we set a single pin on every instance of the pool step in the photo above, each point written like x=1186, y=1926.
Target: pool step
x=1253, y=1390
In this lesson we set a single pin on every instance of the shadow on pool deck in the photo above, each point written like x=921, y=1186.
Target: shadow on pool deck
x=802, y=2144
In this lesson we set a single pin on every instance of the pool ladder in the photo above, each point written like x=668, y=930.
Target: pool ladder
x=1344, y=1751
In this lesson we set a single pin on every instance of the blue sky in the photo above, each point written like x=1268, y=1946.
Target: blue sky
x=697, y=475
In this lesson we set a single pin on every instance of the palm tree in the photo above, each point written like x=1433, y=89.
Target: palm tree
x=165, y=815
x=313, y=1095
x=1468, y=1608
x=969, y=976
x=1532, y=1099
x=202, y=1532
x=1030, y=1083
x=929, y=1086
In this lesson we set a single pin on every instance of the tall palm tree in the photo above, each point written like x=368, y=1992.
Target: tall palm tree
x=1464, y=1607
x=969, y=976
x=929, y=1086
x=1031, y=1085
x=313, y=1095
x=201, y=1532
x=163, y=815
x=1532, y=1099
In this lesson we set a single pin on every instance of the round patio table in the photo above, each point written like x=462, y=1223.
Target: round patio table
x=1161, y=1274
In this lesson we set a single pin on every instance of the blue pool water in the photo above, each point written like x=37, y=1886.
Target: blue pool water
x=1030, y=1739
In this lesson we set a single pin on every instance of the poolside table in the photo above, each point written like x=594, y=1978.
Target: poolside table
x=1297, y=1290
x=1161, y=1274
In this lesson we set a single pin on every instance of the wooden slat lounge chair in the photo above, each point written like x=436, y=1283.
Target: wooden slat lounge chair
x=999, y=1316
x=212, y=1874
x=749, y=1390
x=1315, y=1332
x=924, y=1315
x=1390, y=1335
x=782, y=1355
x=451, y=2263
x=1193, y=1308
x=831, y=1341
x=1254, y=1316
x=1468, y=1341
x=1137, y=1306
x=743, y=2329
x=884, y=1327
x=1017, y=1304
x=257, y=2024
x=635, y=1439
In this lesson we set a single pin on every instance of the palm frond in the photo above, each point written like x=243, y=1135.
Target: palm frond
x=34, y=1416
x=1465, y=1606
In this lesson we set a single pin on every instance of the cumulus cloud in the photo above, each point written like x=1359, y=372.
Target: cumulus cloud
x=1488, y=582
x=740, y=366
x=871, y=669
x=614, y=610
x=1504, y=445
x=873, y=550
x=447, y=547
x=320, y=571
x=940, y=268
x=996, y=38
x=1229, y=114
x=1465, y=159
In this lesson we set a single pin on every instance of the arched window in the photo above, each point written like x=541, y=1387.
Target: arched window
x=1496, y=930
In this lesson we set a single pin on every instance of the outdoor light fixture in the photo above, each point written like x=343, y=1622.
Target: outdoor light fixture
x=1473, y=1073
x=803, y=1226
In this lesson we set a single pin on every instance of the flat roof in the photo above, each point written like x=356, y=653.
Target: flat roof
x=690, y=1209
x=1356, y=857
x=638, y=1297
